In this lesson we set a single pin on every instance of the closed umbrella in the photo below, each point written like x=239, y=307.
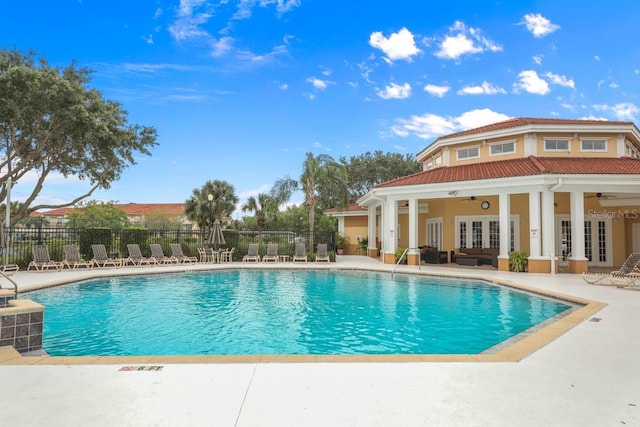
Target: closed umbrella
x=216, y=237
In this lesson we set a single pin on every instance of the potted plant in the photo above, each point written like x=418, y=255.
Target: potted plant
x=341, y=242
x=399, y=252
x=518, y=261
x=364, y=244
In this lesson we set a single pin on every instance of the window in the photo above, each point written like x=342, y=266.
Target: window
x=556, y=145
x=502, y=148
x=593, y=145
x=437, y=161
x=429, y=165
x=468, y=153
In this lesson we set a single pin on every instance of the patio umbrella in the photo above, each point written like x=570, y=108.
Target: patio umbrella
x=216, y=237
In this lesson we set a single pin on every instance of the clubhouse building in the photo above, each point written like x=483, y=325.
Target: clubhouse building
x=565, y=192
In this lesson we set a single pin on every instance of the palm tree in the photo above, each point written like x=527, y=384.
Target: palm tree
x=321, y=175
x=262, y=206
x=202, y=211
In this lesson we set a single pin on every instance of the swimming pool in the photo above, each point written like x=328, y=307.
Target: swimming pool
x=285, y=312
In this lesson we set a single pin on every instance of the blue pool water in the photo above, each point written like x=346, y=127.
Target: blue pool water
x=284, y=312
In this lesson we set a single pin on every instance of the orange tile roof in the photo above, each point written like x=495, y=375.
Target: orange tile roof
x=353, y=207
x=527, y=121
x=520, y=167
x=130, y=209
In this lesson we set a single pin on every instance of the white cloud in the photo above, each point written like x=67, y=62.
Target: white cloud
x=318, y=83
x=432, y=125
x=538, y=25
x=465, y=41
x=395, y=91
x=622, y=111
x=537, y=59
x=439, y=91
x=560, y=80
x=597, y=58
x=484, y=89
x=399, y=45
x=221, y=47
x=532, y=83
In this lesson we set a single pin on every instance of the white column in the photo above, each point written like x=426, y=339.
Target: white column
x=577, y=225
x=371, y=226
x=390, y=226
x=504, y=210
x=548, y=228
x=535, y=235
x=413, y=226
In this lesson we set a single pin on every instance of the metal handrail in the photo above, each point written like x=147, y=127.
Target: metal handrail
x=400, y=260
x=15, y=285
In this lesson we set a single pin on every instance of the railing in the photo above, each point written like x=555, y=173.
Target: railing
x=20, y=241
x=404, y=254
x=15, y=285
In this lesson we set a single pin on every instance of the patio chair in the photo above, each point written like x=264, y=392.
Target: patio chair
x=9, y=269
x=321, y=253
x=272, y=253
x=72, y=258
x=301, y=253
x=252, y=253
x=42, y=261
x=158, y=254
x=227, y=255
x=627, y=275
x=136, y=258
x=101, y=259
x=177, y=253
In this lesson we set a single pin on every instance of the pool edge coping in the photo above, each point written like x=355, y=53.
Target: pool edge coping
x=514, y=352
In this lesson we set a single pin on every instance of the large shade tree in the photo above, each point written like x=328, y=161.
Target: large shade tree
x=51, y=122
x=202, y=211
x=369, y=169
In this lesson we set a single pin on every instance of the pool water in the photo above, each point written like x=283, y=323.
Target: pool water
x=285, y=312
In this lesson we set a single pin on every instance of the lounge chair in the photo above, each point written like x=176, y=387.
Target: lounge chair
x=42, y=261
x=272, y=253
x=9, y=269
x=301, y=253
x=72, y=258
x=177, y=253
x=252, y=253
x=627, y=275
x=136, y=258
x=158, y=254
x=321, y=253
x=101, y=259
x=227, y=255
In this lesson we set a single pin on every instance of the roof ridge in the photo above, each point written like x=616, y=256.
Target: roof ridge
x=537, y=163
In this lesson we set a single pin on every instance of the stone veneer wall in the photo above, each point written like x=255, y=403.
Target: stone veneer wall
x=21, y=323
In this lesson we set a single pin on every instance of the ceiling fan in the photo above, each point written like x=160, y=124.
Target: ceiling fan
x=601, y=196
x=483, y=204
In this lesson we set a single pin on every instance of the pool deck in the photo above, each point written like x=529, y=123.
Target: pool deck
x=587, y=376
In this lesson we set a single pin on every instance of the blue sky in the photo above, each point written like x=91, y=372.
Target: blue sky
x=241, y=90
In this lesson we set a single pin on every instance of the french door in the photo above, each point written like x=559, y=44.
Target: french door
x=597, y=240
x=484, y=232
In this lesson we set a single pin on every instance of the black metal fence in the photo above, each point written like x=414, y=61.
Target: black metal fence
x=20, y=241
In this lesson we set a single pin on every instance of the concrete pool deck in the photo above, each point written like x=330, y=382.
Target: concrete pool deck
x=587, y=376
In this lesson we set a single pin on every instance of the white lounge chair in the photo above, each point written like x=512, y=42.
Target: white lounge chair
x=301, y=253
x=100, y=257
x=627, y=275
x=72, y=258
x=177, y=253
x=158, y=254
x=42, y=261
x=272, y=253
x=322, y=254
x=136, y=258
x=252, y=253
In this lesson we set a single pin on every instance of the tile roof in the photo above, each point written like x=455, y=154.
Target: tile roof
x=520, y=167
x=354, y=207
x=129, y=209
x=527, y=121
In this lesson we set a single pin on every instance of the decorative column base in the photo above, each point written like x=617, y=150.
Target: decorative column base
x=578, y=266
x=389, y=258
x=539, y=265
x=413, y=259
x=503, y=264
